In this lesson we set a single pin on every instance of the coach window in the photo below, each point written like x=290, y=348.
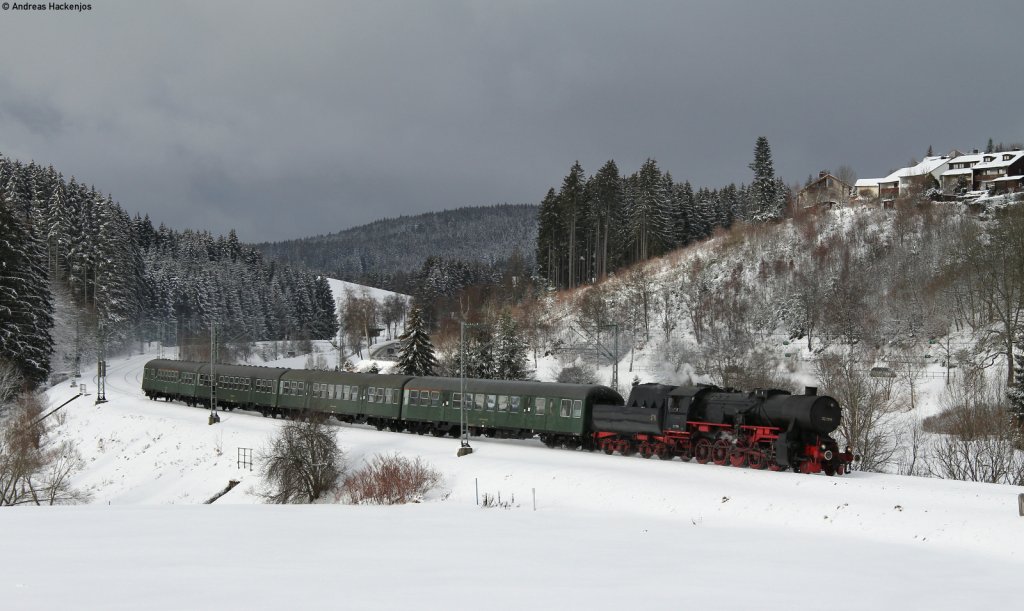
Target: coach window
x=370, y=392
x=566, y=405
x=316, y=389
x=492, y=402
x=380, y=394
x=502, y=403
x=577, y=409
x=541, y=405
x=457, y=400
x=513, y=404
x=435, y=398
x=413, y=397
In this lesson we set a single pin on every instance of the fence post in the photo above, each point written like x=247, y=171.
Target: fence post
x=535, y=499
x=1020, y=503
x=476, y=484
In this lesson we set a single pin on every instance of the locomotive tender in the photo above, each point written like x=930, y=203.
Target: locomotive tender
x=762, y=429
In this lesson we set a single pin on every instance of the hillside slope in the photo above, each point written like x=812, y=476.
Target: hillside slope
x=484, y=234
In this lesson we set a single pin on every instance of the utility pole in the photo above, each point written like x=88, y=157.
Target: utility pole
x=76, y=364
x=464, y=447
x=101, y=365
x=214, y=418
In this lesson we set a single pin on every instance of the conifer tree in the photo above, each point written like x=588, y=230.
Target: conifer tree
x=606, y=204
x=768, y=200
x=417, y=357
x=510, y=351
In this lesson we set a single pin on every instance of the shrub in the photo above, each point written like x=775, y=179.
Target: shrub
x=391, y=479
x=303, y=462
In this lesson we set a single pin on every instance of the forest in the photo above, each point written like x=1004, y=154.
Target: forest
x=79, y=275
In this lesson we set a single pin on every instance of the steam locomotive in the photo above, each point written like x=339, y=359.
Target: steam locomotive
x=770, y=429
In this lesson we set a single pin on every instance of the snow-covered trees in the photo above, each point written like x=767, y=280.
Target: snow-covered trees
x=26, y=308
x=623, y=220
x=137, y=281
x=1015, y=393
x=767, y=192
x=509, y=351
x=417, y=355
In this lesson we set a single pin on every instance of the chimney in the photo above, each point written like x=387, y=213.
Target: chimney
x=822, y=174
x=810, y=391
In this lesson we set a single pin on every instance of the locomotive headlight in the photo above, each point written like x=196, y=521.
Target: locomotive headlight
x=824, y=447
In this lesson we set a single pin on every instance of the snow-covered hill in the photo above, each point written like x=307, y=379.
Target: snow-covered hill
x=608, y=532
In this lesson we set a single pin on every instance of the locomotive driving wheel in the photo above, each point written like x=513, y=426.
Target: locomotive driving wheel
x=738, y=457
x=757, y=459
x=720, y=452
x=702, y=450
x=645, y=450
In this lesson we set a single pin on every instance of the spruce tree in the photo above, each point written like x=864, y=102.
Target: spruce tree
x=510, y=351
x=416, y=357
x=768, y=200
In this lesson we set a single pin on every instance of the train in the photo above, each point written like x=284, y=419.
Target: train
x=760, y=429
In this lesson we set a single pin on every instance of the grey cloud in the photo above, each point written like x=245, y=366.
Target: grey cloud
x=289, y=120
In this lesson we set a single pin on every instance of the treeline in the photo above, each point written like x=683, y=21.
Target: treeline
x=595, y=225
x=391, y=253
x=63, y=242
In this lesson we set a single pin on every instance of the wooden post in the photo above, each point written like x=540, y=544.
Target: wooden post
x=1020, y=503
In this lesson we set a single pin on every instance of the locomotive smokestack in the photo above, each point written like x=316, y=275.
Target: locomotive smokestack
x=810, y=390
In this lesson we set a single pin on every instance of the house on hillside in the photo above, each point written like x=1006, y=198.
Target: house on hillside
x=1000, y=172
x=914, y=179
x=827, y=190
x=866, y=188
x=960, y=175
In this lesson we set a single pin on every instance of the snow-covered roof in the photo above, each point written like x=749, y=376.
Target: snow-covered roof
x=867, y=182
x=927, y=165
x=972, y=158
x=1007, y=178
x=999, y=161
x=958, y=172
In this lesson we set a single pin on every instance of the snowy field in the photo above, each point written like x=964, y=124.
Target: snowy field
x=608, y=532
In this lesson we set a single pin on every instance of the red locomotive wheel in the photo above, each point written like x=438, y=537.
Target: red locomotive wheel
x=757, y=460
x=720, y=452
x=702, y=451
x=738, y=457
x=645, y=450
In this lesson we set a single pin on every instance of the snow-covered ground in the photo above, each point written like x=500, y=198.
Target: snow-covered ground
x=339, y=288
x=608, y=532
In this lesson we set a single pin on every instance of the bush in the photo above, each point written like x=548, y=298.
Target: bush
x=303, y=462
x=577, y=374
x=391, y=479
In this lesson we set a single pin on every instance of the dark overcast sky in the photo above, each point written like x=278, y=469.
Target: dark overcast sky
x=289, y=119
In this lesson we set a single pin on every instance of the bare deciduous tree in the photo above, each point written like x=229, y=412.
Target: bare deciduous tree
x=34, y=470
x=868, y=406
x=302, y=462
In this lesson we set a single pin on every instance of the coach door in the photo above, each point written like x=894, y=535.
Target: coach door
x=537, y=409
